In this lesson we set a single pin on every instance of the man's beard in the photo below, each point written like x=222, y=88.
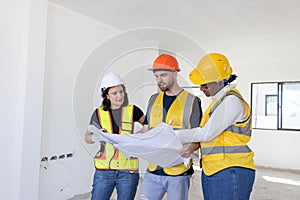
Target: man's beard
x=164, y=89
x=167, y=87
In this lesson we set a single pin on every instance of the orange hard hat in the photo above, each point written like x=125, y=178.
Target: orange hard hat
x=165, y=62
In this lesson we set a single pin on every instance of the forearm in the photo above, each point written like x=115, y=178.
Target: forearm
x=194, y=135
x=188, y=149
x=195, y=146
x=144, y=129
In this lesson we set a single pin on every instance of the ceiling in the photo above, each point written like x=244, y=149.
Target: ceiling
x=253, y=27
x=198, y=18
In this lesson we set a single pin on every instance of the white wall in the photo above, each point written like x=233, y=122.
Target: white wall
x=23, y=36
x=9, y=68
x=277, y=149
x=70, y=40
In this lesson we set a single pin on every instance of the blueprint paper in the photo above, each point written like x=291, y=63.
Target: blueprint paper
x=158, y=145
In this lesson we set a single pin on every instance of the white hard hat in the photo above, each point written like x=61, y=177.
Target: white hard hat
x=110, y=80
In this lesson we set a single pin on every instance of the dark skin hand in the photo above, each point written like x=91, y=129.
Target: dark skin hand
x=188, y=149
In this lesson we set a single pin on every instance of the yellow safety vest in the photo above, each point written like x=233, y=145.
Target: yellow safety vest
x=112, y=158
x=178, y=116
x=230, y=148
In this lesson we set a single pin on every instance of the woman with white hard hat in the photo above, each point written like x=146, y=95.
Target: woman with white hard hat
x=228, y=170
x=116, y=116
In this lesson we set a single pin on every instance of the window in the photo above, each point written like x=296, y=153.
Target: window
x=276, y=105
x=271, y=105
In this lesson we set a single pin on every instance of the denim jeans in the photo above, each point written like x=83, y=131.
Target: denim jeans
x=106, y=180
x=234, y=183
x=155, y=186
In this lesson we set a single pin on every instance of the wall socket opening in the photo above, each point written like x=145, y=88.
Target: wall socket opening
x=53, y=158
x=69, y=155
x=61, y=156
x=44, y=159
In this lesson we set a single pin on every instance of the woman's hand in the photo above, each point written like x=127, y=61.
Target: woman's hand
x=188, y=149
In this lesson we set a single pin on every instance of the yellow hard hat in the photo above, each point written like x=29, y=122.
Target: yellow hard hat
x=212, y=67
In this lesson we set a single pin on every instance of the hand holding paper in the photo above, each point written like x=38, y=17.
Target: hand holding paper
x=97, y=134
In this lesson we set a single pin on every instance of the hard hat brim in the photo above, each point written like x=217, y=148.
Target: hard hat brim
x=163, y=67
x=196, y=78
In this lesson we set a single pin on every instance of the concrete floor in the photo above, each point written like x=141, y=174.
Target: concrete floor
x=270, y=184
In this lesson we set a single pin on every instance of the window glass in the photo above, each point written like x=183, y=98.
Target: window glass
x=291, y=106
x=271, y=105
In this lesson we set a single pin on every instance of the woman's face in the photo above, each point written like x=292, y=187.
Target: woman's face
x=210, y=89
x=116, y=96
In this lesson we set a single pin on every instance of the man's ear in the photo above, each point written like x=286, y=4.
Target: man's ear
x=175, y=74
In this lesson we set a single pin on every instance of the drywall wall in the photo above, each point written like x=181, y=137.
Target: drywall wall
x=23, y=44
x=70, y=40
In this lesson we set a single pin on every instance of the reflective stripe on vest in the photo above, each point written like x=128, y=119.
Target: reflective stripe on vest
x=226, y=149
x=112, y=158
x=230, y=147
x=178, y=116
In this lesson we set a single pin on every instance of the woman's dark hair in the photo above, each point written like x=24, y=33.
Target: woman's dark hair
x=106, y=102
x=230, y=79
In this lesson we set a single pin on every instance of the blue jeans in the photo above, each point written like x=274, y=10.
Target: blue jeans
x=155, y=186
x=234, y=183
x=106, y=180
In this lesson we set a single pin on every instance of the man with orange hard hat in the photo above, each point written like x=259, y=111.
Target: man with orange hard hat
x=180, y=109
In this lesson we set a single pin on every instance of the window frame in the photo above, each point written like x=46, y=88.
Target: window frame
x=279, y=104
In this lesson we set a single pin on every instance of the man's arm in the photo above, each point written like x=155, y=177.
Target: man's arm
x=145, y=124
x=196, y=114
